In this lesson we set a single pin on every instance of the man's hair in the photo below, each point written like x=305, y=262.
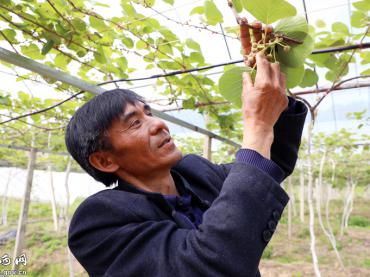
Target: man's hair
x=86, y=131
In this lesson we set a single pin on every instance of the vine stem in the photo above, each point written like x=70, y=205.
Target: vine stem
x=54, y=47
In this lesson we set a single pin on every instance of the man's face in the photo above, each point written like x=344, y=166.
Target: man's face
x=141, y=143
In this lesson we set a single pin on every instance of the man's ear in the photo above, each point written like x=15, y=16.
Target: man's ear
x=103, y=161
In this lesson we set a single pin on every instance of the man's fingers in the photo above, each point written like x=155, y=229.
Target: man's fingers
x=276, y=76
x=267, y=30
x=283, y=81
x=257, y=31
x=263, y=68
x=245, y=36
x=247, y=81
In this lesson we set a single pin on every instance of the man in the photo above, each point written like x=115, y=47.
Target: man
x=181, y=216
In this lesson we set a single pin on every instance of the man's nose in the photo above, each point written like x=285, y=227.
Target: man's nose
x=157, y=125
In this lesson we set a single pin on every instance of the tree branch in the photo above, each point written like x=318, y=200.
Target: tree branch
x=46, y=29
x=61, y=15
x=54, y=47
x=34, y=125
x=11, y=44
x=42, y=110
x=342, y=70
x=190, y=25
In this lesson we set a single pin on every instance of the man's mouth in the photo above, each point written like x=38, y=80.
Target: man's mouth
x=164, y=142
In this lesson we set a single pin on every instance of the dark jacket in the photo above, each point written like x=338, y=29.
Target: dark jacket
x=129, y=232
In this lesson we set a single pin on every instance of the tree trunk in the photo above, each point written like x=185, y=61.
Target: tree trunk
x=4, y=205
x=207, y=147
x=351, y=197
x=328, y=232
x=310, y=203
x=66, y=214
x=302, y=194
x=51, y=183
x=66, y=186
x=346, y=205
x=23, y=215
x=290, y=208
x=329, y=228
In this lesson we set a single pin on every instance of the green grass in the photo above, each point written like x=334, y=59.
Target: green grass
x=366, y=262
x=359, y=221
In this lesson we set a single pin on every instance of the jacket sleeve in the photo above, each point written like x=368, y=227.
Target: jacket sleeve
x=109, y=239
x=287, y=138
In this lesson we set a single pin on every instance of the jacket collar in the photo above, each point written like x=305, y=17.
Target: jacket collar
x=182, y=186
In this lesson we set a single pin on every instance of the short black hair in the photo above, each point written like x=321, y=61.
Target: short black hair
x=85, y=133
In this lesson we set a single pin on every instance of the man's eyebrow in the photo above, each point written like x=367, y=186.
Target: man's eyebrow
x=126, y=117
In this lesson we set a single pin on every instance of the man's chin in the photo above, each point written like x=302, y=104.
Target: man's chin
x=176, y=156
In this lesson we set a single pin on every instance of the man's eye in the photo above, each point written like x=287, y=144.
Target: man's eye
x=149, y=113
x=135, y=123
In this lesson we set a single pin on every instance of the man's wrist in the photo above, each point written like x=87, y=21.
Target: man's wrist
x=259, y=140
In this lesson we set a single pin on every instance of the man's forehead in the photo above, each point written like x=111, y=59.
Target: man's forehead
x=132, y=107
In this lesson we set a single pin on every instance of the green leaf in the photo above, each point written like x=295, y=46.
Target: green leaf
x=10, y=35
x=79, y=24
x=197, y=10
x=100, y=55
x=362, y=5
x=365, y=56
x=196, y=57
x=128, y=42
x=188, y=103
x=294, y=75
x=192, y=44
x=141, y=45
x=231, y=84
x=366, y=72
x=238, y=5
x=169, y=1
x=297, y=54
x=97, y=24
x=169, y=65
x=310, y=78
x=47, y=47
x=340, y=27
x=213, y=15
x=295, y=27
x=5, y=100
x=359, y=19
x=128, y=9
x=320, y=23
x=269, y=11
x=32, y=51
x=101, y=5
x=61, y=61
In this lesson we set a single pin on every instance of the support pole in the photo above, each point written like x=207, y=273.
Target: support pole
x=23, y=216
x=52, y=191
x=207, y=150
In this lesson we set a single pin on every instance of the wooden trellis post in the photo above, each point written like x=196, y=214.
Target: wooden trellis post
x=207, y=147
x=23, y=216
x=51, y=183
x=207, y=150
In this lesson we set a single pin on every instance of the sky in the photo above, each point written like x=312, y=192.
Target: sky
x=332, y=111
